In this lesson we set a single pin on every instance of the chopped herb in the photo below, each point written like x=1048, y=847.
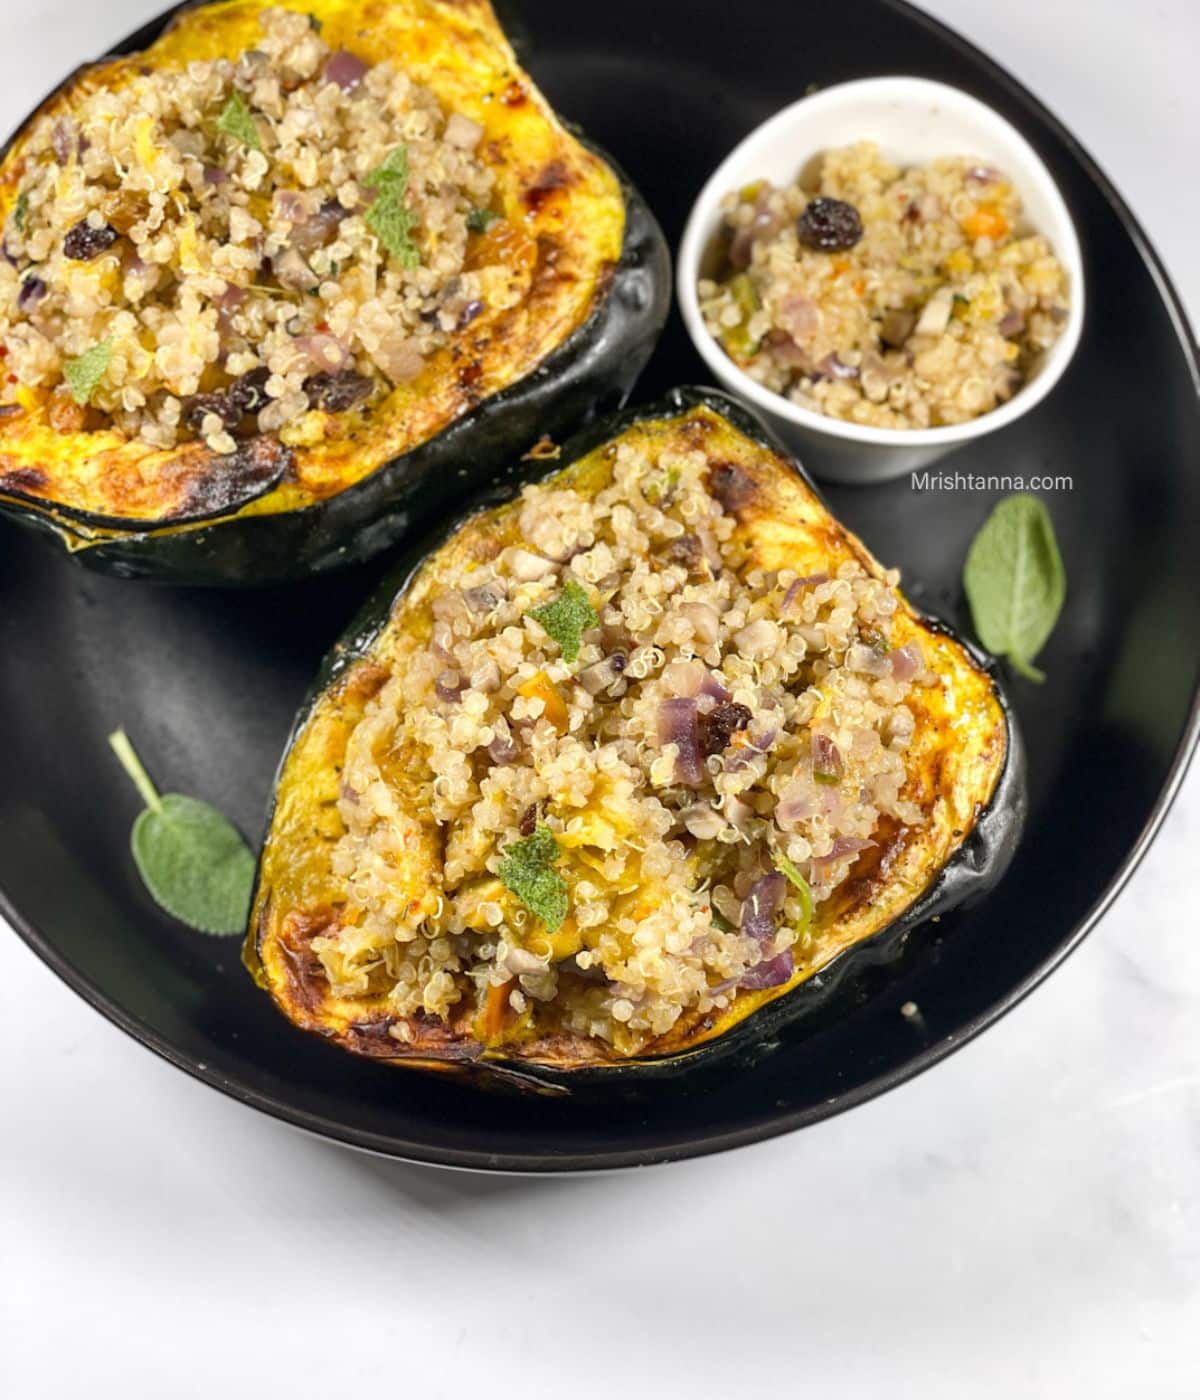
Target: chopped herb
x=389, y=217
x=236, y=120
x=84, y=373
x=480, y=220
x=20, y=209
x=191, y=858
x=567, y=618
x=393, y=167
x=527, y=870
x=1015, y=581
x=786, y=867
x=719, y=920
x=393, y=223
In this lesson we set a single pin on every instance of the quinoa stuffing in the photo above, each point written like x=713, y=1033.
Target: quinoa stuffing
x=890, y=297
x=213, y=250
x=643, y=766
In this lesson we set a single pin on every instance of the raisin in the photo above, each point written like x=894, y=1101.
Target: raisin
x=529, y=819
x=335, y=392
x=83, y=242
x=685, y=551
x=199, y=406
x=829, y=225
x=718, y=727
x=248, y=393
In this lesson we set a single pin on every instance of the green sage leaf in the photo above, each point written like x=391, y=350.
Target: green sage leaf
x=1015, y=581
x=84, y=373
x=191, y=858
x=527, y=870
x=237, y=120
x=567, y=618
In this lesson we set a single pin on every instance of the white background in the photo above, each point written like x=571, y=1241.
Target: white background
x=1022, y=1221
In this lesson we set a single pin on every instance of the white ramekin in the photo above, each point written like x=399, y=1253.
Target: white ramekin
x=911, y=120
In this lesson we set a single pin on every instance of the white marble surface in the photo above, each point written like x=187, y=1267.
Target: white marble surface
x=1022, y=1221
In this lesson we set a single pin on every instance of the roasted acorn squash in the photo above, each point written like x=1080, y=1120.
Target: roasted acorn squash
x=337, y=487
x=963, y=776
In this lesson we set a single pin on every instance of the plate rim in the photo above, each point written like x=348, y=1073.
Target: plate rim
x=595, y=1162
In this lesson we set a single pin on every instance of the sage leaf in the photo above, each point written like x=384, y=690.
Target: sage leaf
x=84, y=373
x=237, y=120
x=567, y=618
x=527, y=870
x=1015, y=581
x=191, y=858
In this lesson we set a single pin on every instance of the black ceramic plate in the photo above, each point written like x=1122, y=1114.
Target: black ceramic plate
x=206, y=682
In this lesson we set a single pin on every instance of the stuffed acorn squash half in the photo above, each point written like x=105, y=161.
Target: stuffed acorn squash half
x=612, y=772
x=290, y=278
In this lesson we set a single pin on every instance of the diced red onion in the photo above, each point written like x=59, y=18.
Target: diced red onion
x=843, y=846
x=786, y=351
x=705, y=620
x=347, y=70
x=798, y=586
x=835, y=369
x=484, y=596
x=399, y=359
x=710, y=686
x=741, y=245
x=1011, y=323
x=602, y=674
x=712, y=551
x=762, y=905
x=896, y=327
x=450, y=686
x=771, y=972
x=63, y=136
x=982, y=174
x=291, y=205
x=750, y=750
x=327, y=352
x=684, y=678
x=799, y=316
x=503, y=749
x=826, y=759
x=316, y=230
x=678, y=724
x=292, y=272
x=907, y=661
x=214, y=175
x=33, y=289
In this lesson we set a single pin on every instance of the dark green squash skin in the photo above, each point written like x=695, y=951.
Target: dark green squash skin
x=591, y=373
x=976, y=867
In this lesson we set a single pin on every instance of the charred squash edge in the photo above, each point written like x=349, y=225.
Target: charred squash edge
x=975, y=867
x=591, y=372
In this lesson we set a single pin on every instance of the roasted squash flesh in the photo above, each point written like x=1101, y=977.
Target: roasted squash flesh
x=798, y=762
x=551, y=241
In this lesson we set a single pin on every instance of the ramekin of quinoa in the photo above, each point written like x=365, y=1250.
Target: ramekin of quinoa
x=885, y=264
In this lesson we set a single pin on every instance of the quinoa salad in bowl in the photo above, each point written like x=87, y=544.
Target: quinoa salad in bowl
x=884, y=295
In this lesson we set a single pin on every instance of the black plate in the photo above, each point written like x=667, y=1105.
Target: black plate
x=206, y=682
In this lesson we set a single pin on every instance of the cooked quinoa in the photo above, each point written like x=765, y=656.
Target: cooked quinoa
x=893, y=297
x=212, y=250
x=646, y=759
